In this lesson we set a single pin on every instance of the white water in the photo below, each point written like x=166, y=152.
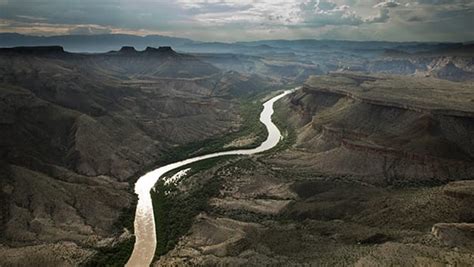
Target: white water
x=145, y=243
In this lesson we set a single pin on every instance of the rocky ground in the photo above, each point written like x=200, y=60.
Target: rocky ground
x=76, y=130
x=384, y=129
x=265, y=214
x=373, y=170
x=318, y=199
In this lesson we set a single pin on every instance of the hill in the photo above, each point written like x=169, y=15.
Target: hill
x=366, y=175
x=91, y=43
x=389, y=129
x=77, y=129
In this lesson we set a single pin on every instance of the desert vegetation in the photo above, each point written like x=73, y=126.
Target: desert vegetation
x=374, y=168
x=175, y=209
x=288, y=206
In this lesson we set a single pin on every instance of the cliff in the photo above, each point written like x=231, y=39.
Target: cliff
x=387, y=129
x=76, y=130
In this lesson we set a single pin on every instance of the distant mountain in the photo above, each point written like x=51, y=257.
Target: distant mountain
x=162, y=62
x=351, y=45
x=288, y=60
x=107, y=42
x=152, y=62
x=92, y=43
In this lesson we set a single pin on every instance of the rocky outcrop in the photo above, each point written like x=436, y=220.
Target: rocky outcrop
x=330, y=220
x=463, y=190
x=447, y=69
x=368, y=127
x=162, y=49
x=455, y=234
x=396, y=92
x=392, y=66
x=33, y=50
x=127, y=50
x=454, y=64
x=75, y=130
x=396, y=254
x=59, y=254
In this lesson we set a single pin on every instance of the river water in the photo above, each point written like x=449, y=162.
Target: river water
x=145, y=242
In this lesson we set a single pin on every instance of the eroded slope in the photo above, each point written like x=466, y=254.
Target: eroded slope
x=387, y=129
x=75, y=129
x=363, y=177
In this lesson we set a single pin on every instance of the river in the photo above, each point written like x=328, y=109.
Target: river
x=145, y=242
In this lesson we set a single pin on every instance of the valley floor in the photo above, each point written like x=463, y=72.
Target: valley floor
x=288, y=207
x=265, y=213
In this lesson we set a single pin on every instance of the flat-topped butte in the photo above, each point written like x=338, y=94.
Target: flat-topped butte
x=422, y=94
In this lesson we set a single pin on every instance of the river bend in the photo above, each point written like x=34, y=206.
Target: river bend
x=145, y=242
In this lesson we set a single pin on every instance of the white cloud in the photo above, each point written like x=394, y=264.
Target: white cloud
x=30, y=18
x=387, y=4
x=231, y=20
x=324, y=12
x=382, y=17
x=89, y=30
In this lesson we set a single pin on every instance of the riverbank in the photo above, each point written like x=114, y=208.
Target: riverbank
x=250, y=108
x=269, y=212
x=145, y=244
x=174, y=208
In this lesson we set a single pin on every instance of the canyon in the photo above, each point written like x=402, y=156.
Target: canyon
x=370, y=173
x=77, y=129
x=375, y=164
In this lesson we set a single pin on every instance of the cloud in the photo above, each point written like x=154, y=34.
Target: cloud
x=193, y=7
x=326, y=12
x=49, y=29
x=441, y=2
x=232, y=20
x=89, y=30
x=384, y=13
x=382, y=17
x=323, y=12
x=30, y=18
x=387, y=4
x=414, y=19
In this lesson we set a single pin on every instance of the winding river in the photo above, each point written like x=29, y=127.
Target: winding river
x=145, y=243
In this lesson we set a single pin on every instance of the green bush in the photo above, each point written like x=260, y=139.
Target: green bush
x=117, y=255
x=174, y=211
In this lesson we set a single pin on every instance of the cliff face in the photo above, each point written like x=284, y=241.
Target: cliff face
x=349, y=125
x=447, y=67
x=454, y=62
x=75, y=129
x=362, y=177
x=76, y=102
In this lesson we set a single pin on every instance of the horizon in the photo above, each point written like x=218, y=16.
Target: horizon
x=234, y=42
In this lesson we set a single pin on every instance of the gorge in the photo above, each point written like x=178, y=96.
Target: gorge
x=145, y=243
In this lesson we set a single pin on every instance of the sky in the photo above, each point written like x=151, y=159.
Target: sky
x=246, y=20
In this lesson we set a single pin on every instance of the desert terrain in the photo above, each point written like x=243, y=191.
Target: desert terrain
x=78, y=129
x=370, y=173
x=375, y=166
